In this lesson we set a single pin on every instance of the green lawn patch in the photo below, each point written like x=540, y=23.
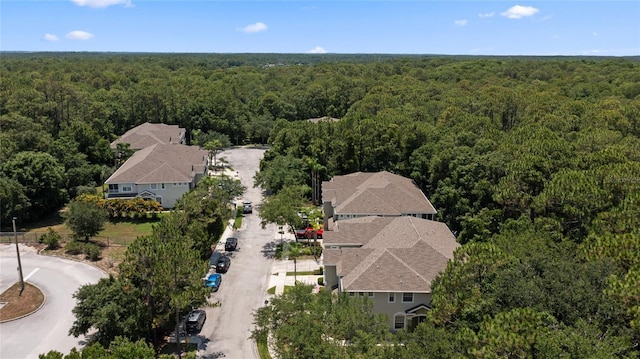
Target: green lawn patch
x=237, y=223
x=287, y=288
x=263, y=349
x=271, y=290
x=310, y=272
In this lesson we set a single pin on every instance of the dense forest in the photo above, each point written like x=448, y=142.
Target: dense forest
x=534, y=163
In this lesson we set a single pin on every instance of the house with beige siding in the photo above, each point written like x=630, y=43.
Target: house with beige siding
x=362, y=194
x=391, y=260
x=163, y=172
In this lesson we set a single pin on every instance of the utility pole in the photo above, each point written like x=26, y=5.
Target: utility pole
x=18, y=252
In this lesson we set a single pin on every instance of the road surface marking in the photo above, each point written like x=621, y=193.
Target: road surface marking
x=30, y=274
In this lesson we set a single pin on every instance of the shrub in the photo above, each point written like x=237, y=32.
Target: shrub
x=74, y=247
x=91, y=251
x=51, y=239
x=320, y=281
x=319, y=271
x=86, y=190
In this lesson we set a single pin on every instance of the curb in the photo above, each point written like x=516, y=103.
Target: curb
x=44, y=301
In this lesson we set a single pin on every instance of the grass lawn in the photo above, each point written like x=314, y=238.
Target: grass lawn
x=121, y=232
x=263, y=350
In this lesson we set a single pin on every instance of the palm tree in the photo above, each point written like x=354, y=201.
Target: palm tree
x=293, y=251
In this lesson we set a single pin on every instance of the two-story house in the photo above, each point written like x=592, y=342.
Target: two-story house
x=163, y=172
x=392, y=260
x=380, y=241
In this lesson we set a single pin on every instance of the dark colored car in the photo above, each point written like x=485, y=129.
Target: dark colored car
x=223, y=264
x=215, y=258
x=231, y=244
x=195, y=320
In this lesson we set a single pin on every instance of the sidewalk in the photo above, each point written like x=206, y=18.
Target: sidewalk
x=279, y=277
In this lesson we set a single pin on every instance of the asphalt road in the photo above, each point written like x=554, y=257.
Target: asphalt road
x=244, y=286
x=48, y=328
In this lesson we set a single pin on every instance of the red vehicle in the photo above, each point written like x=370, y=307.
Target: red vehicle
x=309, y=233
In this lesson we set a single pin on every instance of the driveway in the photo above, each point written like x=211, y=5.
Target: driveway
x=244, y=286
x=48, y=328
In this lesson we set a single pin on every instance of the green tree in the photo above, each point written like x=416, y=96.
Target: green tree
x=168, y=271
x=281, y=172
x=282, y=208
x=512, y=334
x=293, y=251
x=214, y=147
x=42, y=178
x=85, y=219
x=307, y=325
x=460, y=292
x=112, y=306
x=13, y=200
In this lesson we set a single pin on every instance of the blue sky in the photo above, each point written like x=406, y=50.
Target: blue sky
x=605, y=28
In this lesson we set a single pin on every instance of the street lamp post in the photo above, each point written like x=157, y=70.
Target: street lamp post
x=15, y=234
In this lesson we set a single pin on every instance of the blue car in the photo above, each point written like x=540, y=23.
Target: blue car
x=213, y=280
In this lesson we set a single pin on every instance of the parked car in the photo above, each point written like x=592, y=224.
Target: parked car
x=213, y=281
x=247, y=207
x=215, y=258
x=309, y=233
x=195, y=320
x=223, y=264
x=231, y=244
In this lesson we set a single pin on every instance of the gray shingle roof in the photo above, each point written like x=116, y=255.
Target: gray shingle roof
x=149, y=134
x=162, y=163
x=367, y=193
x=397, y=253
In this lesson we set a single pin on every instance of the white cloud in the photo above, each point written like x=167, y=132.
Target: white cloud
x=487, y=14
x=101, y=3
x=79, y=35
x=460, y=22
x=594, y=33
x=317, y=50
x=519, y=11
x=50, y=37
x=257, y=27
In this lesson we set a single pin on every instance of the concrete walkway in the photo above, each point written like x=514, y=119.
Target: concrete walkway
x=279, y=277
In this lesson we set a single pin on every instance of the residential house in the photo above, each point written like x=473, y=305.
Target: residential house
x=392, y=260
x=163, y=172
x=148, y=134
x=363, y=194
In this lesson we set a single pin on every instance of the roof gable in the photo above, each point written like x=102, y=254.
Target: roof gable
x=405, y=254
x=375, y=193
x=161, y=164
x=148, y=134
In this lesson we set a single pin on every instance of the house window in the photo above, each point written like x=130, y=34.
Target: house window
x=162, y=185
x=370, y=294
x=392, y=297
x=113, y=188
x=398, y=322
x=352, y=294
x=153, y=186
x=127, y=187
x=407, y=297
